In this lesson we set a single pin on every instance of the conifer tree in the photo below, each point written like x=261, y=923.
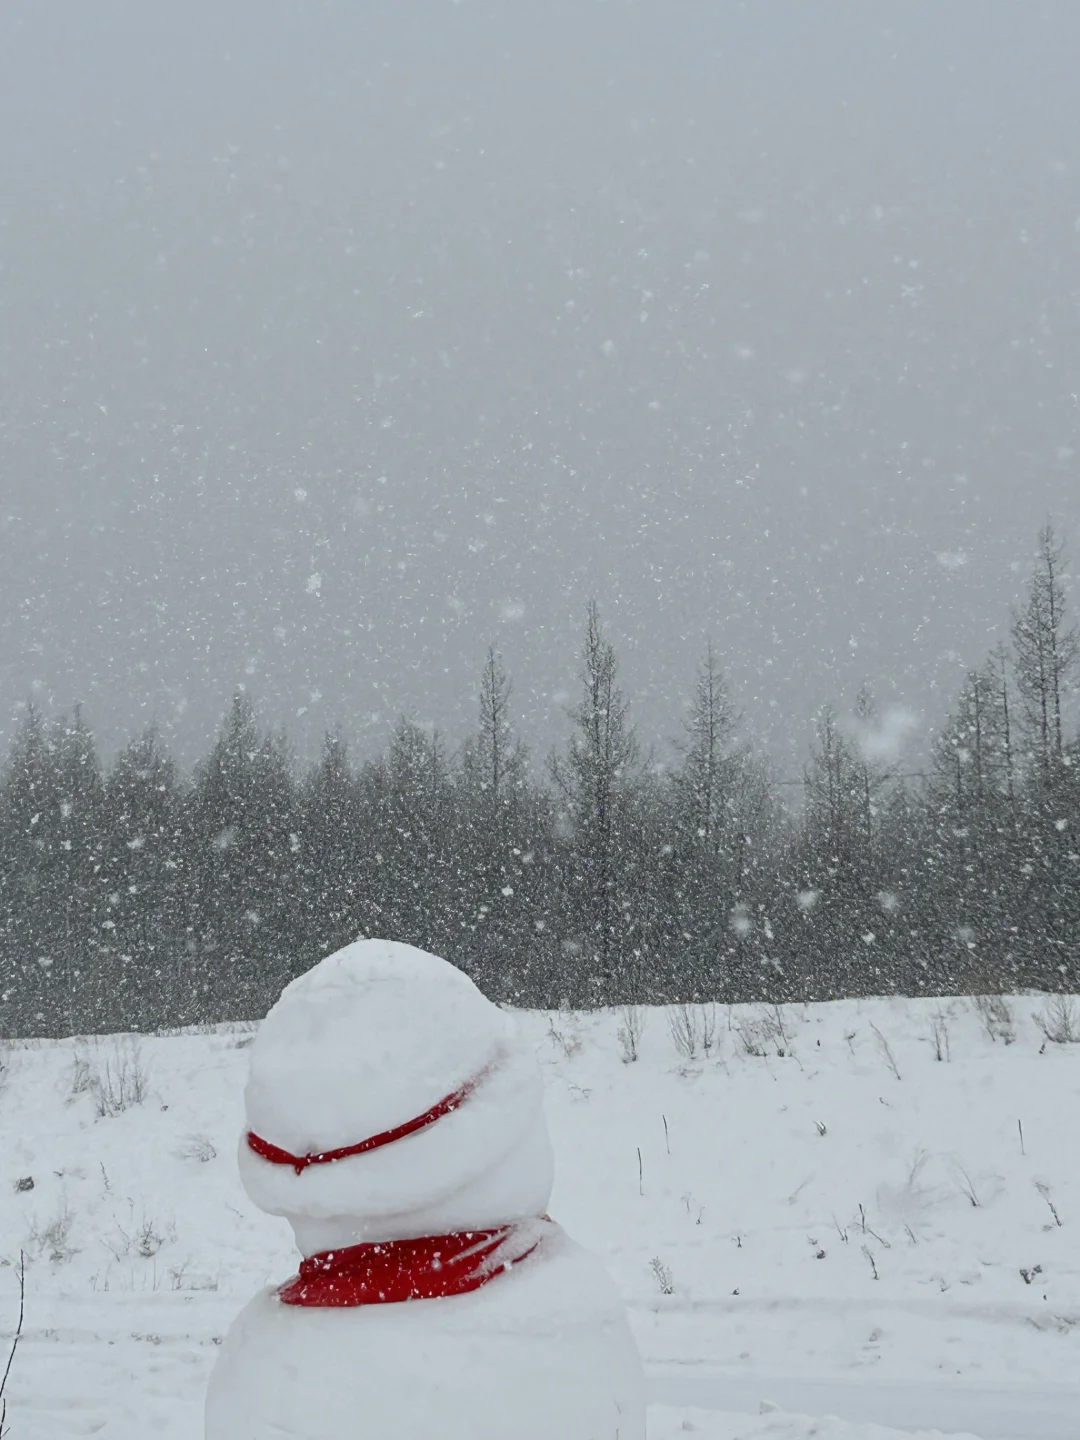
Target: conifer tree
x=74, y=845
x=408, y=796
x=242, y=903
x=1047, y=656
x=333, y=861
x=595, y=783
x=717, y=793
x=27, y=916
x=494, y=845
x=1047, y=652
x=144, y=876
x=841, y=859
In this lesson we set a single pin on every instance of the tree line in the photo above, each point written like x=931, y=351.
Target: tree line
x=134, y=899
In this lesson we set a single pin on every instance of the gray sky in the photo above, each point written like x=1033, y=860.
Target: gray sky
x=339, y=340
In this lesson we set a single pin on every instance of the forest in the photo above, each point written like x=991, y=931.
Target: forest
x=136, y=899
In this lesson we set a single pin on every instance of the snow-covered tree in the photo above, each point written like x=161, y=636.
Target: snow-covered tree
x=595, y=780
x=1047, y=652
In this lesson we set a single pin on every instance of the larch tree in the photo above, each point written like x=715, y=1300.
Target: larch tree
x=714, y=798
x=495, y=844
x=594, y=781
x=971, y=852
x=1047, y=651
x=709, y=759
x=1047, y=655
x=840, y=855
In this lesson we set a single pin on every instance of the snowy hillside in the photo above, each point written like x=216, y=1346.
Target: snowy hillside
x=867, y=1208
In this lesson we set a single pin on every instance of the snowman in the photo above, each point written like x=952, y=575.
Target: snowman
x=394, y=1118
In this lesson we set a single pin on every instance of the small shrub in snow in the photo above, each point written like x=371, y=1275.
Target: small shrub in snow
x=143, y=1238
x=565, y=1040
x=1058, y=1020
x=147, y=1240
x=967, y=1187
x=752, y=1037
x=939, y=1036
x=684, y=1022
x=776, y=1029
x=181, y=1279
x=197, y=1147
x=662, y=1275
x=766, y=1032
x=708, y=1029
x=82, y=1073
x=121, y=1082
x=908, y=1201
x=631, y=1026
x=996, y=1016
x=53, y=1241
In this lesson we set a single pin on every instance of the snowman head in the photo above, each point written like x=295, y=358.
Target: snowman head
x=389, y=1099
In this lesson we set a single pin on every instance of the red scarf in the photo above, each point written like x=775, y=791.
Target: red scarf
x=430, y=1268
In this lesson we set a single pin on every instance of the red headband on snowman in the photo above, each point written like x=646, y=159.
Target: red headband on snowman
x=446, y=1106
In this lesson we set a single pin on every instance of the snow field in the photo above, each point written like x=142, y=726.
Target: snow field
x=818, y=1201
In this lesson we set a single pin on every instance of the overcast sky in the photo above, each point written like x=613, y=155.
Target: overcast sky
x=339, y=340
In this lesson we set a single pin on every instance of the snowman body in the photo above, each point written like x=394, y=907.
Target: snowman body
x=541, y=1352
x=361, y=1046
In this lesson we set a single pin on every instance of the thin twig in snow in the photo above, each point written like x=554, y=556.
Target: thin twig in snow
x=870, y=1256
x=14, y=1343
x=886, y=1050
x=1044, y=1190
x=968, y=1187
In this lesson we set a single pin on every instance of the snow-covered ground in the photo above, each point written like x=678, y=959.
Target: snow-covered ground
x=819, y=1216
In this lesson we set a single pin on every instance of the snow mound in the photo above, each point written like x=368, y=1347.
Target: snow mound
x=669, y=1424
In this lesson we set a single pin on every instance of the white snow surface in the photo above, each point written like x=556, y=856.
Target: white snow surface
x=769, y=1191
